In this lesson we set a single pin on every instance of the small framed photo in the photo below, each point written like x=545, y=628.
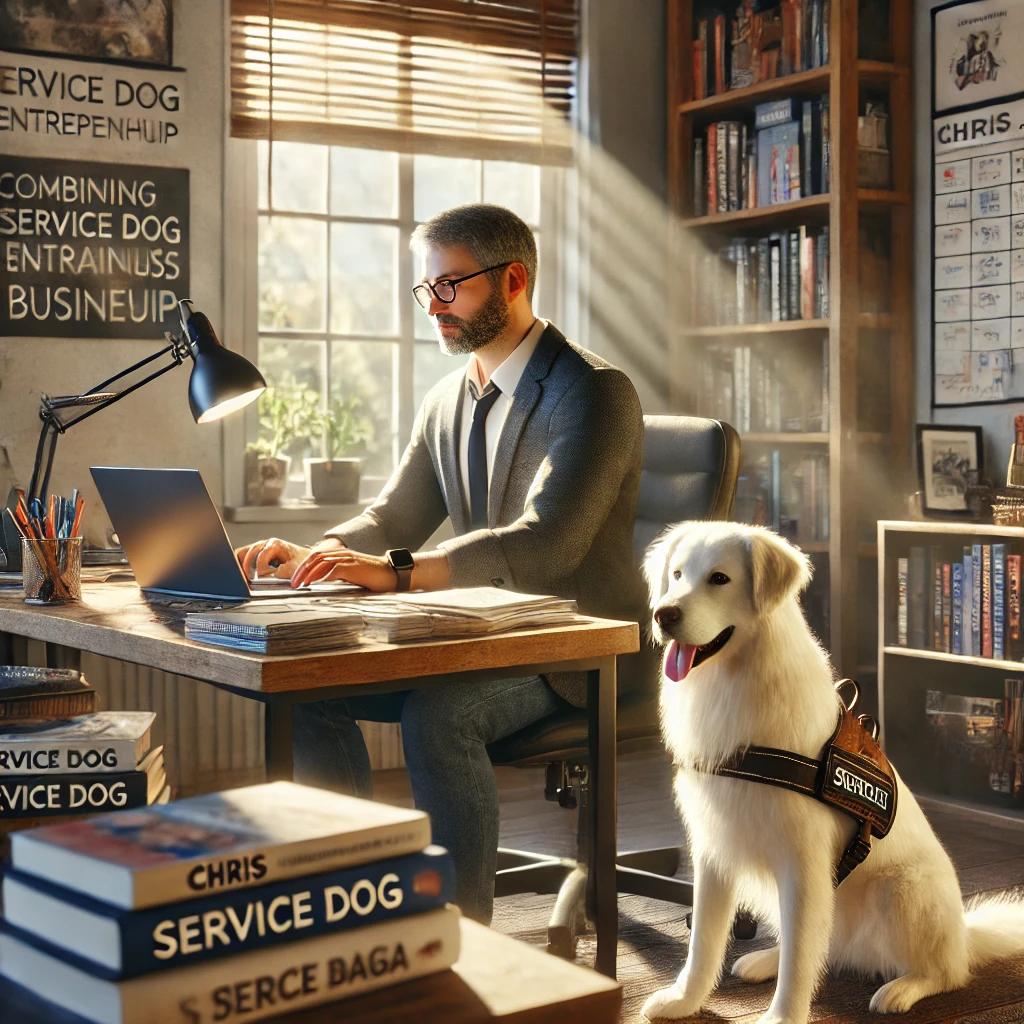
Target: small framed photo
x=948, y=462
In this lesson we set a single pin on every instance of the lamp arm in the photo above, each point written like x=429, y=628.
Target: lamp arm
x=96, y=400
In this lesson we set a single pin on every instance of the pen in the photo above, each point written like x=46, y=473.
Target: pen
x=79, y=509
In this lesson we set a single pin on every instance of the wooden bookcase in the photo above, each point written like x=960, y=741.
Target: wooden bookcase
x=868, y=468
x=906, y=673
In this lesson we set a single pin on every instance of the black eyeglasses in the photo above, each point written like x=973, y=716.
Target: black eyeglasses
x=444, y=290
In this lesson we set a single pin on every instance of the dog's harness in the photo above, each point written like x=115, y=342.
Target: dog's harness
x=852, y=775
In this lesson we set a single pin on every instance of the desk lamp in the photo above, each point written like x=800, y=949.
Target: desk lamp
x=222, y=382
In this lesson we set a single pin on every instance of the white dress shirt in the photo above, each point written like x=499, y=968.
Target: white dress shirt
x=506, y=379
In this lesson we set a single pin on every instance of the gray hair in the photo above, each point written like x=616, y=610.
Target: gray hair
x=493, y=234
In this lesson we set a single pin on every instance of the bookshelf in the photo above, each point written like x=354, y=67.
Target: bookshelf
x=862, y=345
x=909, y=666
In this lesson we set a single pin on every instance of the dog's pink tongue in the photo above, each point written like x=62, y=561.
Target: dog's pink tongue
x=679, y=660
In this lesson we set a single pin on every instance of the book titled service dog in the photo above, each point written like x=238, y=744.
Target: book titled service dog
x=123, y=944
x=218, y=842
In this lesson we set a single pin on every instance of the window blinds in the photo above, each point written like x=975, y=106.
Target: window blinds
x=482, y=78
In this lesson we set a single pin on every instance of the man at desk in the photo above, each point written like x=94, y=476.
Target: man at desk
x=533, y=449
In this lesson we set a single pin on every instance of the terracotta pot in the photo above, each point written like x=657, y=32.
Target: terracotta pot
x=332, y=481
x=265, y=478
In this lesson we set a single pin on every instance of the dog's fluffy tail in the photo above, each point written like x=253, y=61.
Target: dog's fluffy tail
x=995, y=928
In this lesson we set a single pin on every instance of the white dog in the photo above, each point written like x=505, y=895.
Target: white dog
x=742, y=669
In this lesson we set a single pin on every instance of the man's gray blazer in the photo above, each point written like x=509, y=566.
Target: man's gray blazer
x=562, y=497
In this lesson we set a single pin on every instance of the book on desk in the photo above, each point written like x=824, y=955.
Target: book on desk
x=247, y=903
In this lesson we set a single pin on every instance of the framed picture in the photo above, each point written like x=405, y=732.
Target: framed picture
x=948, y=461
x=134, y=33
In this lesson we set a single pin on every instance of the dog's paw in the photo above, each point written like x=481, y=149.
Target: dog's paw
x=761, y=965
x=900, y=994
x=668, y=1004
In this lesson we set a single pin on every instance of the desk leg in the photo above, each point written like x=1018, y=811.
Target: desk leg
x=13, y=649
x=277, y=739
x=601, y=693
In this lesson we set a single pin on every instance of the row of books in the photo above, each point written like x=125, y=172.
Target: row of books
x=960, y=601
x=784, y=276
x=785, y=155
x=758, y=390
x=244, y=904
x=787, y=492
x=755, y=46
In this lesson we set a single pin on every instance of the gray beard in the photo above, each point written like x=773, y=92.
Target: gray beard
x=490, y=320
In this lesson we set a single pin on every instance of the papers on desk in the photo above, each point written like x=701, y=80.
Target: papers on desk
x=318, y=624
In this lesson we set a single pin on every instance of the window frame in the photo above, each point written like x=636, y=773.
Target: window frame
x=241, y=290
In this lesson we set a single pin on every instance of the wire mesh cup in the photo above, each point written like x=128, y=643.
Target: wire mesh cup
x=51, y=569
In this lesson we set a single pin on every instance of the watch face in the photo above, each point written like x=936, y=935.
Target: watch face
x=401, y=558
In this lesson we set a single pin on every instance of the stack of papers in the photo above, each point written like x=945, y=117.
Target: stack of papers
x=278, y=627
x=467, y=611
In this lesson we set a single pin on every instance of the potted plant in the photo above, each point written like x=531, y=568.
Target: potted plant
x=288, y=412
x=334, y=479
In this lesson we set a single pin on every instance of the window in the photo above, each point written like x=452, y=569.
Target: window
x=334, y=276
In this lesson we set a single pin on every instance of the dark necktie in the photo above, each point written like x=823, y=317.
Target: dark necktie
x=478, y=453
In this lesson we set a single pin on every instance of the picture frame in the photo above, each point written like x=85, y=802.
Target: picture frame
x=949, y=460
x=138, y=34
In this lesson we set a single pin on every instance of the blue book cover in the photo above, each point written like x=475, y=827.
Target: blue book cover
x=968, y=602
x=998, y=601
x=957, y=572
x=767, y=115
x=976, y=600
x=118, y=943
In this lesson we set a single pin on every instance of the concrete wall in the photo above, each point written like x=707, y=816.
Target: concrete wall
x=996, y=420
x=153, y=427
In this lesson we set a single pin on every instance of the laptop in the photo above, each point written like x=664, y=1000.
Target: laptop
x=175, y=539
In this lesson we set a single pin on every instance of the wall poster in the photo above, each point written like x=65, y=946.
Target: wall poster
x=91, y=250
x=978, y=208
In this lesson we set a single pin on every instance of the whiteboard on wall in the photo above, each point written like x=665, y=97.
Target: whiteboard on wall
x=978, y=203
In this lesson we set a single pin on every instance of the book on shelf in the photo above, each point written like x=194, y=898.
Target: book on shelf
x=119, y=943
x=44, y=693
x=902, y=570
x=236, y=839
x=787, y=492
x=916, y=589
x=957, y=603
x=251, y=986
x=50, y=795
x=986, y=600
x=105, y=741
x=1013, y=625
x=967, y=577
x=998, y=600
x=976, y=602
x=947, y=608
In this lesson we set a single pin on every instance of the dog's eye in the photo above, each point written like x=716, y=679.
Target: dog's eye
x=718, y=579
x=677, y=574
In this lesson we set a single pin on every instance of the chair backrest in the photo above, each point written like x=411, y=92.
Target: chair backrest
x=691, y=466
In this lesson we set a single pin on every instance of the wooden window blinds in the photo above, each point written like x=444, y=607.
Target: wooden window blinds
x=483, y=78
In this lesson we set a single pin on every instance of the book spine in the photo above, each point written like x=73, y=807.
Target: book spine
x=784, y=313
x=823, y=280
x=807, y=282
x=237, y=922
x=947, y=639
x=957, y=584
x=265, y=983
x=806, y=147
x=752, y=172
x=721, y=69
x=902, y=571
x=776, y=281
x=744, y=184
x=699, y=182
x=699, y=56
x=1013, y=644
x=916, y=598
x=998, y=601
x=826, y=148
x=937, y=605
x=764, y=277
x=41, y=758
x=732, y=170
x=722, y=168
x=705, y=64
x=43, y=796
x=794, y=275
x=976, y=606
x=968, y=591
x=986, y=601
x=712, y=175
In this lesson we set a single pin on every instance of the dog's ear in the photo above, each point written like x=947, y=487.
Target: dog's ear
x=777, y=569
x=655, y=567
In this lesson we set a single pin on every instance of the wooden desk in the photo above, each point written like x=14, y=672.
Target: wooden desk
x=497, y=979
x=114, y=619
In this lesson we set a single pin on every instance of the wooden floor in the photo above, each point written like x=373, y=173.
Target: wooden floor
x=988, y=851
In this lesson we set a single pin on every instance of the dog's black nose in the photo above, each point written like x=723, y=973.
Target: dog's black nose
x=667, y=615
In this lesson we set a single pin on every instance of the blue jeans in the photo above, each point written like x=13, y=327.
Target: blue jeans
x=445, y=732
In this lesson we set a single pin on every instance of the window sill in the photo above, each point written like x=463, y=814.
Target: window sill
x=293, y=512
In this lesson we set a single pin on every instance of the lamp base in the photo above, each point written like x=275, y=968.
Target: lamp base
x=10, y=538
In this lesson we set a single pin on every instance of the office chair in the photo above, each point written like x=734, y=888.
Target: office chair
x=690, y=469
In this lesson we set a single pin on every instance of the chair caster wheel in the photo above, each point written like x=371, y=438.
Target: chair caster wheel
x=744, y=927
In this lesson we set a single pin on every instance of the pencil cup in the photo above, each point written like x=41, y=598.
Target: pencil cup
x=51, y=569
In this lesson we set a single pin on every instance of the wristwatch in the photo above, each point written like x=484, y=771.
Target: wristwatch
x=402, y=562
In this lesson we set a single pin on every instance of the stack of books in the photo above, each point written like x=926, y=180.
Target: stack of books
x=55, y=762
x=291, y=627
x=236, y=905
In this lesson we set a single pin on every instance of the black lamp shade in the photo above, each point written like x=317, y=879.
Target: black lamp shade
x=222, y=381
